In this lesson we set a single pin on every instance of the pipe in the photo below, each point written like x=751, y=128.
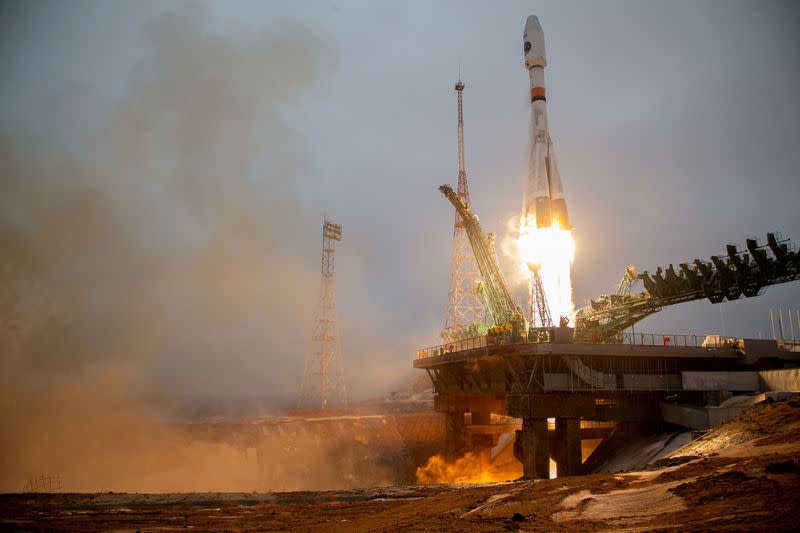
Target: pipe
x=772, y=321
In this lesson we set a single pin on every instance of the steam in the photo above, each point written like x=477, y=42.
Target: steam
x=157, y=245
x=166, y=231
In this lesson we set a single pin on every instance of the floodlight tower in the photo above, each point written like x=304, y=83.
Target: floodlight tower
x=323, y=375
x=464, y=306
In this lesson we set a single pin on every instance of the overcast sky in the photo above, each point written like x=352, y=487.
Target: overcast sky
x=218, y=135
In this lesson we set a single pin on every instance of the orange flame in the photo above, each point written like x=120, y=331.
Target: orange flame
x=466, y=469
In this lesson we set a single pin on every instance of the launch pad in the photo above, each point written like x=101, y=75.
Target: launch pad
x=599, y=374
x=578, y=384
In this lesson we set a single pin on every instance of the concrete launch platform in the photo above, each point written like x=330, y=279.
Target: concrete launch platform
x=576, y=383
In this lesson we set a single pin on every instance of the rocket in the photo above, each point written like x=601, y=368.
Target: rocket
x=543, y=199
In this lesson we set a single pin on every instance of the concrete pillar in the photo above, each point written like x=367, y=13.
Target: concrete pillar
x=531, y=448
x=568, y=446
x=455, y=434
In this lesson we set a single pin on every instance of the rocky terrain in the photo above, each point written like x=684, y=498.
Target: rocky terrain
x=743, y=476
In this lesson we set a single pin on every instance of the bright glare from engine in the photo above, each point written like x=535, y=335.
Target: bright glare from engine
x=552, y=251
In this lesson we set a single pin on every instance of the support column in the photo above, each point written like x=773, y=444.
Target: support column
x=455, y=434
x=568, y=447
x=531, y=448
x=482, y=444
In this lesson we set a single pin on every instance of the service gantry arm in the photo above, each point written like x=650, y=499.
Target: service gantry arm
x=741, y=273
x=501, y=304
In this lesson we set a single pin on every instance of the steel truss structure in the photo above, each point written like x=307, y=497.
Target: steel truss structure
x=323, y=374
x=741, y=273
x=465, y=315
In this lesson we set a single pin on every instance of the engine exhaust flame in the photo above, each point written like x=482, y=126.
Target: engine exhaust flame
x=552, y=251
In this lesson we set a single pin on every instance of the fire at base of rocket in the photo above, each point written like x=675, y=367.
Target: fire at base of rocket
x=543, y=202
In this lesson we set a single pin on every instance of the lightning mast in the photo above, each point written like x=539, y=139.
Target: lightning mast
x=464, y=307
x=323, y=375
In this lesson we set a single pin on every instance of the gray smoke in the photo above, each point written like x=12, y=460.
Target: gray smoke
x=168, y=227
x=159, y=245
x=168, y=235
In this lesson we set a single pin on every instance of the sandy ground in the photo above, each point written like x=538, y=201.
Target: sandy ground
x=744, y=476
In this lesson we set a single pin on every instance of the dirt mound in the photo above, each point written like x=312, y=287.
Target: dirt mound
x=785, y=437
x=671, y=461
x=769, y=416
x=732, y=484
x=766, y=423
x=783, y=467
x=695, y=468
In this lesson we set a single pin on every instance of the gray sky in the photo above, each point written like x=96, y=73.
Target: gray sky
x=216, y=135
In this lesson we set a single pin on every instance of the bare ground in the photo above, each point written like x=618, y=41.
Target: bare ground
x=744, y=476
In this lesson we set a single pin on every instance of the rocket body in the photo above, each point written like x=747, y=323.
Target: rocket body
x=543, y=199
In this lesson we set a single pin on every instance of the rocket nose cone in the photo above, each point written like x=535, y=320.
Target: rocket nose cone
x=532, y=25
x=533, y=43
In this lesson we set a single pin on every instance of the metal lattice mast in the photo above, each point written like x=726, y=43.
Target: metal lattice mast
x=540, y=310
x=323, y=375
x=464, y=305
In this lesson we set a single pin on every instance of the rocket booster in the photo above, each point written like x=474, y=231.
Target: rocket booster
x=543, y=199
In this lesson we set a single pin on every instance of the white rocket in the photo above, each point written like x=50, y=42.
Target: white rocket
x=543, y=199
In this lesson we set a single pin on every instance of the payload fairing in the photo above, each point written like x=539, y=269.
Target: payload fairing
x=543, y=200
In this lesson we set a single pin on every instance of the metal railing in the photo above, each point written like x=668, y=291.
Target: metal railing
x=641, y=339
x=455, y=346
x=670, y=339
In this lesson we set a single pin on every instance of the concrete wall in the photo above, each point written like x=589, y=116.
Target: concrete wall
x=685, y=415
x=651, y=381
x=560, y=381
x=694, y=417
x=751, y=350
x=719, y=415
x=729, y=381
x=785, y=380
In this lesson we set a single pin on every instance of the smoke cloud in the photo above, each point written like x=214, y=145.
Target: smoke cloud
x=161, y=244
x=163, y=229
